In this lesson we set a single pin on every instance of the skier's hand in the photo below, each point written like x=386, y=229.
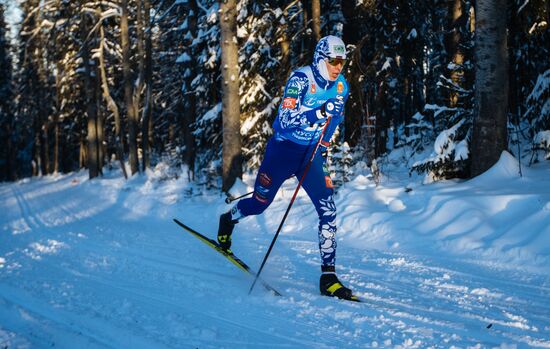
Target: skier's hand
x=331, y=107
x=334, y=106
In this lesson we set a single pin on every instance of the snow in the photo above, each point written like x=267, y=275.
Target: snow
x=386, y=65
x=412, y=34
x=444, y=141
x=461, y=150
x=543, y=138
x=183, y=58
x=212, y=114
x=453, y=264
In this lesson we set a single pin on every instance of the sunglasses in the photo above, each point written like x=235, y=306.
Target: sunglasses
x=336, y=61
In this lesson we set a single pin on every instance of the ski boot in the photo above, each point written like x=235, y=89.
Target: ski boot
x=225, y=229
x=332, y=287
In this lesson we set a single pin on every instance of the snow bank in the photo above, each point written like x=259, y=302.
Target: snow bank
x=498, y=216
x=507, y=168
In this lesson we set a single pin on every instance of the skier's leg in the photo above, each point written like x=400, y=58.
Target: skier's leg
x=273, y=171
x=319, y=188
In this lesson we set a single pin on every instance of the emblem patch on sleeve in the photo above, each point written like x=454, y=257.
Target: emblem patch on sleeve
x=292, y=91
x=289, y=103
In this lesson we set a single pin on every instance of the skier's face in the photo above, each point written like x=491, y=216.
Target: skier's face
x=334, y=67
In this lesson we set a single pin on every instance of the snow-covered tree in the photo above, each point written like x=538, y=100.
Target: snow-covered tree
x=7, y=139
x=528, y=38
x=446, y=118
x=448, y=159
x=263, y=71
x=538, y=114
x=340, y=162
x=200, y=62
x=410, y=73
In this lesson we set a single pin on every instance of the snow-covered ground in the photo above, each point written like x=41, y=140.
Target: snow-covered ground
x=100, y=264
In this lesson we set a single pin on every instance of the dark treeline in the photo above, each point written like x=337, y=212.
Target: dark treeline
x=89, y=84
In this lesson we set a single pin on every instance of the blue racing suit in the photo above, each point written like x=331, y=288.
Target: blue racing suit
x=296, y=131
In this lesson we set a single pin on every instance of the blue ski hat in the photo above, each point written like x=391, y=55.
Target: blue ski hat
x=328, y=47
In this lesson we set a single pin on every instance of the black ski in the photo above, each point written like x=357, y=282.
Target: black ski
x=230, y=256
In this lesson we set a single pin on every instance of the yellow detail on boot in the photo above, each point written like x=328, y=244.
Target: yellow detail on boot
x=334, y=287
x=222, y=238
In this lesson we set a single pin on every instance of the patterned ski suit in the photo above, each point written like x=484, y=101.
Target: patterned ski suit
x=290, y=148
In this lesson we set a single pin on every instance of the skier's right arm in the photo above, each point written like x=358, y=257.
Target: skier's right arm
x=293, y=113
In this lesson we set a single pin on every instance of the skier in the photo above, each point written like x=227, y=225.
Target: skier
x=312, y=93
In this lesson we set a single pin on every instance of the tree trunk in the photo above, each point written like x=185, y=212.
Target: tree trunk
x=316, y=19
x=43, y=124
x=456, y=21
x=231, y=153
x=37, y=150
x=489, y=137
x=100, y=123
x=284, y=40
x=111, y=104
x=45, y=145
x=128, y=89
x=59, y=52
x=93, y=159
x=55, y=118
x=57, y=144
x=189, y=106
x=148, y=80
x=11, y=171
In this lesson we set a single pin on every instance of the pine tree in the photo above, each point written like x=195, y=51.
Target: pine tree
x=7, y=139
x=446, y=121
x=82, y=98
x=262, y=74
x=340, y=163
x=360, y=123
x=94, y=158
x=190, y=69
x=70, y=95
x=538, y=115
x=34, y=89
x=528, y=38
x=201, y=91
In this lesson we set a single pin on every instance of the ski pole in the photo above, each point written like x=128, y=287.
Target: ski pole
x=230, y=199
x=308, y=165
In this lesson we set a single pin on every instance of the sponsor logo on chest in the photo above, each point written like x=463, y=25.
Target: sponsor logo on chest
x=340, y=87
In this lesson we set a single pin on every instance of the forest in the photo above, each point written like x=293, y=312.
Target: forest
x=131, y=84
